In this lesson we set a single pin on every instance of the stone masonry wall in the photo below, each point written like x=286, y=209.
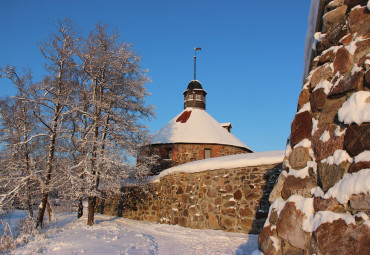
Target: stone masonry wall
x=321, y=202
x=183, y=153
x=233, y=200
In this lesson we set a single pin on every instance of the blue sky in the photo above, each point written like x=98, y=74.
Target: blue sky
x=251, y=61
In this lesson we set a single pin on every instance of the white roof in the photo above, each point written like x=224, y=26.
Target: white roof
x=199, y=127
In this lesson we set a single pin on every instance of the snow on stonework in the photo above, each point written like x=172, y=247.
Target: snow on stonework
x=356, y=109
x=199, y=127
x=338, y=157
x=354, y=183
x=363, y=156
x=226, y=162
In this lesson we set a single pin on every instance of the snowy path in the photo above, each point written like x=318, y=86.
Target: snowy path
x=113, y=235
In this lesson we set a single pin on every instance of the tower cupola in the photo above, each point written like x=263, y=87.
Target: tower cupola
x=195, y=95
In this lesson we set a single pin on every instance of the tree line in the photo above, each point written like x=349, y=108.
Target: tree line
x=72, y=135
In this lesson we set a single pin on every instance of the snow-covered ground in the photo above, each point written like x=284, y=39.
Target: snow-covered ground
x=114, y=235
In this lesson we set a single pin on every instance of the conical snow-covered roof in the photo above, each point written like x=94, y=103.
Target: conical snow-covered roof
x=194, y=125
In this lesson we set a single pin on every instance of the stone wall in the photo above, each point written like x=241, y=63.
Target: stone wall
x=321, y=201
x=228, y=199
x=180, y=153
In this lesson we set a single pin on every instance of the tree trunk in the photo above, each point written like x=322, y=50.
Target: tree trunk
x=45, y=191
x=29, y=201
x=91, y=209
x=50, y=211
x=42, y=207
x=80, y=210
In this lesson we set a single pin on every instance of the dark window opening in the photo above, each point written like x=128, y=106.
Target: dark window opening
x=207, y=153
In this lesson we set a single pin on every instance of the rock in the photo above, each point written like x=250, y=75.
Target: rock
x=346, y=40
x=339, y=238
x=343, y=61
x=367, y=79
x=298, y=186
x=246, y=224
x=238, y=195
x=328, y=56
x=331, y=174
x=228, y=222
x=179, y=191
x=273, y=216
x=323, y=45
x=351, y=82
x=323, y=150
x=362, y=51
x=355, y=167
x=289, y=226
x=356, y=139
x=360, y=202
x=275, y=193
x=287, y=249
x=359, y=21
x=329, y=113
x=299, y=157
x=304, y=97
x=301, y=127
x=212, y=193
x=331, y=204
x=337, y=32
x=266, y=244
x=212, y=221
x=317, y=100
x=353, y=3
x=334, y=4
x=334, y=17
x=321, y=73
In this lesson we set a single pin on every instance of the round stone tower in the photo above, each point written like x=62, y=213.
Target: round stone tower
x=193, y=134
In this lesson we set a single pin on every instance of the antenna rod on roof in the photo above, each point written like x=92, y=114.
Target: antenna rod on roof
x=195, y=61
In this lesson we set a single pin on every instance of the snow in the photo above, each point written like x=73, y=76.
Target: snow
x=304, y=172
x=315, y=124
x=312, y=223
x=326, y=85
x=305, y=107
x=368, y=5
x=275, y=242
x=257, y=252
x=226, y=162
x=303, y=204
x=355, y=69
x=325, y=136
x=304, y=143
x=114, y=235
x=314, y=8
x=350, y=184
x=338, y=133
x=356, y=109
x=338, y=157
x=363, y=156
x=199, y=128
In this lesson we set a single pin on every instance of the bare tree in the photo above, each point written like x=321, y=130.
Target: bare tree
x=52, y=95
x=18, y=129
x=115, y=93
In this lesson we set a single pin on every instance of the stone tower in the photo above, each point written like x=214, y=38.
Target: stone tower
x=321, y=202
x=193, y=134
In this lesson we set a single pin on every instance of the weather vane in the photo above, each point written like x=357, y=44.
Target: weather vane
x=195, y=61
